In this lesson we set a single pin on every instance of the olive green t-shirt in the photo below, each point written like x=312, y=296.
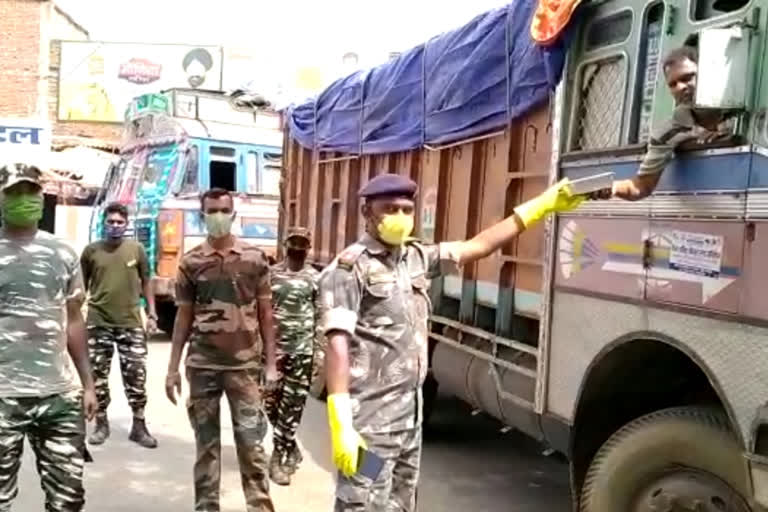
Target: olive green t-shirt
x=113, y=278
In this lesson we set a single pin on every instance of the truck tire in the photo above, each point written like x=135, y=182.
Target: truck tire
x=679, y=459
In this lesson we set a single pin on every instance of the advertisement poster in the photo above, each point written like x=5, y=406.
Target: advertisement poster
x=97, y=81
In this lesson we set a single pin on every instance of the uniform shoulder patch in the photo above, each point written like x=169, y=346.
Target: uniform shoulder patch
x=350, y=255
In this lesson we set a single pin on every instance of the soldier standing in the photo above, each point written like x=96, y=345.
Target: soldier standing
x=224, y=303
x=41, y=328
x=116, y=274
x=375, y=310
x=294, y=298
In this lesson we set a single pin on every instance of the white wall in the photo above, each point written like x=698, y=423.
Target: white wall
x=73, y=225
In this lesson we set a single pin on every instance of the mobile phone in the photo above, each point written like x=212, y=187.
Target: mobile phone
x=589, y=184
x=369, y=464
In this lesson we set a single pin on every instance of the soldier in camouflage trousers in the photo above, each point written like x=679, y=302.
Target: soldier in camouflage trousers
x=225, y=314
x=41, y=332
x=294, y=299
x=116, y=275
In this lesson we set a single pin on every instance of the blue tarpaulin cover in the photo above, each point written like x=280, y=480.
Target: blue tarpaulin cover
x=463, y=83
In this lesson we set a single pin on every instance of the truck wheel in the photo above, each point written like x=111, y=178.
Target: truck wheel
x=673, y=460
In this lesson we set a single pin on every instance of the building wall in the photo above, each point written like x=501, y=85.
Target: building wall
x=30, y=31
x=64, y=27
x=20, y=57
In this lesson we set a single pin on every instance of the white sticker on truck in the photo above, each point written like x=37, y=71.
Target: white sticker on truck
x=696, y=253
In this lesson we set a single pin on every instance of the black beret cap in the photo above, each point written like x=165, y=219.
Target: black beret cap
x=389, y=185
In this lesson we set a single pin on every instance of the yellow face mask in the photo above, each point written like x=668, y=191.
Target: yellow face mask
x=394, y=229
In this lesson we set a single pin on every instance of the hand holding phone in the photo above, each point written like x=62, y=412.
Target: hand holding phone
x=369, y=464
x=595, y=187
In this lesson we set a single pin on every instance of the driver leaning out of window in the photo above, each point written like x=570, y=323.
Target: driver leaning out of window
x=686, y=125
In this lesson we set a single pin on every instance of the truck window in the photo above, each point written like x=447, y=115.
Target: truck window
x=599, y=104
x=270, y=182
x=223, y=168
x=705, y=9
x=252, y=172
x=190, y=183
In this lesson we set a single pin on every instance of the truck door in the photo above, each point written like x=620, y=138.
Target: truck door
x=695, y=245
x=600, y=246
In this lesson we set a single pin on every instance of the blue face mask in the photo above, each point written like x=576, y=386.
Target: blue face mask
x=114, y=232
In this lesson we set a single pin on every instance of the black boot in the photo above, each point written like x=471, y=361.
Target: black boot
x=101, y=430
x=140, y=435
x=293, y=460
x=276, y=471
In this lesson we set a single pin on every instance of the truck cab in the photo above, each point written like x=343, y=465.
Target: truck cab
x=175, y=146
x=655, y=326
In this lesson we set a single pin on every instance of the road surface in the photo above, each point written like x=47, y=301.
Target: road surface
x=467, y=463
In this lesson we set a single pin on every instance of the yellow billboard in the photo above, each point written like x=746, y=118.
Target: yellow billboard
x=98, y=80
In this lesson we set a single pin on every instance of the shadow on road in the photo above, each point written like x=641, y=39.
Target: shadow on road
x=469, y=464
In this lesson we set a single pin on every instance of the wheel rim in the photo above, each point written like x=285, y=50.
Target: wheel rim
x=682, y=490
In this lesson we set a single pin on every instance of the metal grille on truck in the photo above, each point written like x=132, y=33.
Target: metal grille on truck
x=600, y=109
x=143, y=231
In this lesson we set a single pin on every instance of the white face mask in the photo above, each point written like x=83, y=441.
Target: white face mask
x=218, y=224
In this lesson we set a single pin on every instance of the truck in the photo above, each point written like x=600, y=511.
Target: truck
x=177, y=144
x=629, y=336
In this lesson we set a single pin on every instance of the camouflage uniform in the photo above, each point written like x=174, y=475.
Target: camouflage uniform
x=380, y=298
x=225, y=357
x=114, y=279
x=132, y=349
x=294, y=296
x=39, y=397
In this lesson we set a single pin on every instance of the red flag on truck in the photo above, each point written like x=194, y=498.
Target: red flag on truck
x=550, y=18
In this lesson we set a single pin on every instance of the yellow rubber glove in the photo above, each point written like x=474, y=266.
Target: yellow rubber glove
x=556, y=198
x=344, y=438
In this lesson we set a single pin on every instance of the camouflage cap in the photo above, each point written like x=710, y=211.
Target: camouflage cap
x=298, y=232
x=11, y=174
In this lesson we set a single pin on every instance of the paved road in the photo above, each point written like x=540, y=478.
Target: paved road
x=468, y=465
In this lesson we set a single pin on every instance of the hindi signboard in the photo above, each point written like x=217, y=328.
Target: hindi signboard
x=25, y=141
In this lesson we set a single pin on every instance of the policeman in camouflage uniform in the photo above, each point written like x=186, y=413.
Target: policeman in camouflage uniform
x=116, y=275
x=375, y=310
x=41, y=331
x=294, y=298
x=225, y=311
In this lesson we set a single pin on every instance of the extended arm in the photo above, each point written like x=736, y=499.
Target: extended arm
x=182, y=327
x=267, y=328
x=340, y=293
x=555, y=199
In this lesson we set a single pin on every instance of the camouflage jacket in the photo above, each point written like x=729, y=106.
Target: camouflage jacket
x=294, y=299
x=223, y=289
x=37, y=278
x=381, y=300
